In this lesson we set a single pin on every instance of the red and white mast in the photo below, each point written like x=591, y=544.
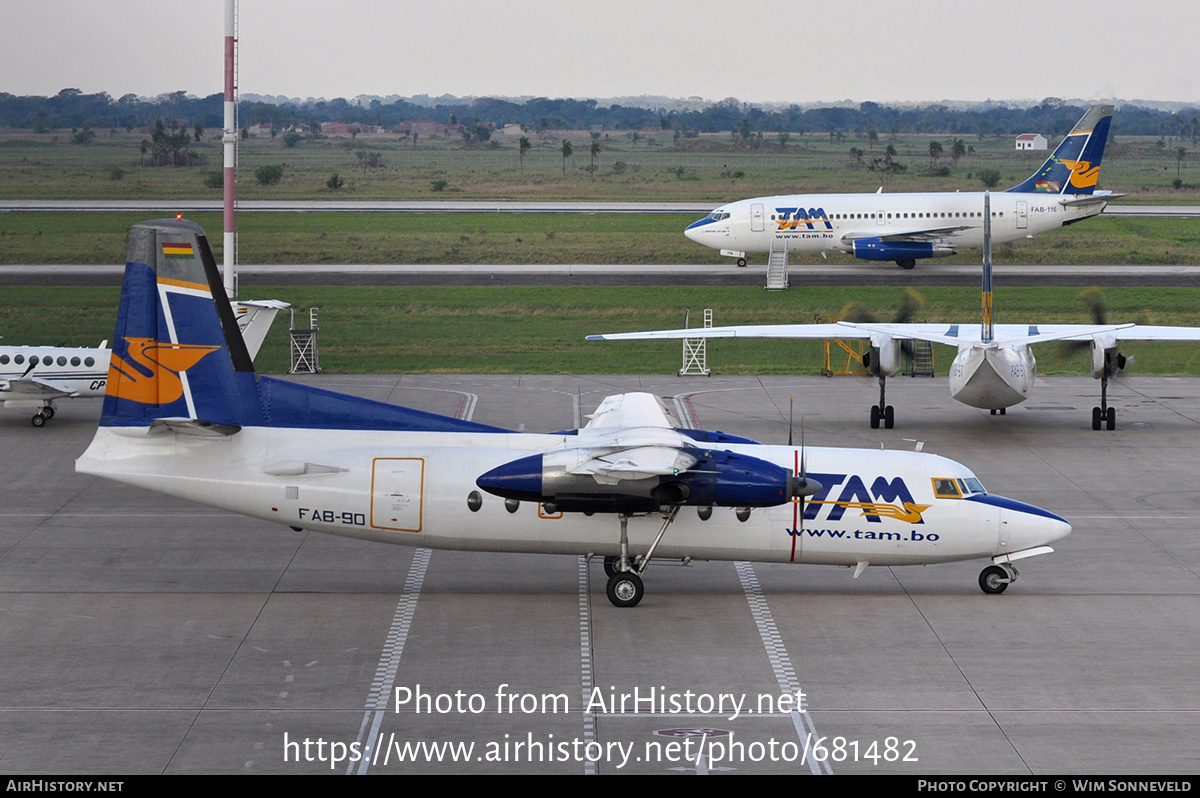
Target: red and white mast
x=230, y=138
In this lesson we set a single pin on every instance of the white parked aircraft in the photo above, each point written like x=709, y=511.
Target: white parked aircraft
x=629, y=486
x=35, y=376
x=909, y=227
x=994, y=368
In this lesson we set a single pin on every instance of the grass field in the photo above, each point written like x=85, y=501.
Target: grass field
x=710, y=169
x=533, y=238
x=541, y=330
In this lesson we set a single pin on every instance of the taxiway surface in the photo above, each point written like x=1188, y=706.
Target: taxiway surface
x=142, y=634
x=482, y=274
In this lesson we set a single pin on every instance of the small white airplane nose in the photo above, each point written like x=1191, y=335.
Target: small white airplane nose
x=692, y=231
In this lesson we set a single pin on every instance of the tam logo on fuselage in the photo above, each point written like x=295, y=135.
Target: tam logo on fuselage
x=885, y=499
x=793, y=218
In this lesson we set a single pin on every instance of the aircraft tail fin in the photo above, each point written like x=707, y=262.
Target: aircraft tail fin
x=178, y=354
x=172, y=338
x=1074, y=168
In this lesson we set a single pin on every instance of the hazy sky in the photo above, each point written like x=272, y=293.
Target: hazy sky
x=755, y=50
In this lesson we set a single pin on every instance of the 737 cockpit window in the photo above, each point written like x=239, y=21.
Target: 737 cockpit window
x=717, y=216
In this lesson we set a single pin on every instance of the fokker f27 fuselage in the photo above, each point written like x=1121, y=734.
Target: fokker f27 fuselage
x=203, y=426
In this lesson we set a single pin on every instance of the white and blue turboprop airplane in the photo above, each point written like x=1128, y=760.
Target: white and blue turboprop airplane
x=908, y=227
x=35, y=376
x=994, y=368
x=203, y=426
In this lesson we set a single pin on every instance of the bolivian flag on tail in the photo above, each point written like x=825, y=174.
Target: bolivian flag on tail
x=175, y=251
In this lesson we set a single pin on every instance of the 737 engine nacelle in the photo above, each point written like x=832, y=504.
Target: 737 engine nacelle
x=876, y=249
x=717, y=478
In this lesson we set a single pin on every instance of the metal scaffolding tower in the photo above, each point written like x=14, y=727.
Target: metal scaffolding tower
x=695, y=351
x=304, y=345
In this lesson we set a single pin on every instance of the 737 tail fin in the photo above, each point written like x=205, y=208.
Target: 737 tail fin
x=1074, y=168
x=179, y=357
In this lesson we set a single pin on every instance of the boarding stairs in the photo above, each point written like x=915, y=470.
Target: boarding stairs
x=777, y=268
x=920, y=359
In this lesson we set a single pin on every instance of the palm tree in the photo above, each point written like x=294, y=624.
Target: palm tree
x=523, y=148
x=595, y=152
x=958, y=150
x=935, y=154
x=566, y=151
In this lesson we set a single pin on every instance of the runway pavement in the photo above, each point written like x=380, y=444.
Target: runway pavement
x=609, y=274
x=141, y=634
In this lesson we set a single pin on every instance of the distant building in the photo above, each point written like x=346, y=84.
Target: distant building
x=424, y=127
x=1031, y=141
x=509, y=130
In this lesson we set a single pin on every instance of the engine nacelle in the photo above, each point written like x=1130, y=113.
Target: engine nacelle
x=718, y=478
x=1106, y=362
x=883, y=359
x=877, y=249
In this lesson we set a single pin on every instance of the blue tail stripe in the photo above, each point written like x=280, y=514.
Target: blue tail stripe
x=158, y=372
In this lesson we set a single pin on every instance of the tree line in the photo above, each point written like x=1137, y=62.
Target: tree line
x=72, y=109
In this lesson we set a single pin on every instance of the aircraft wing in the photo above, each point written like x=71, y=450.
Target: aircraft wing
x=630, y=410
x=630, y=436
x=920, y=235
x=949, y=334
x=35, y=388
x=876, y=333
x=835, y=330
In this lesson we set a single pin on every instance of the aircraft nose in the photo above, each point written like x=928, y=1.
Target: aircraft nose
x=692, y=231
x=1029, y=526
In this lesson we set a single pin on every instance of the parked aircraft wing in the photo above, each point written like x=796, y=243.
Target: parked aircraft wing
x=921, y=235
x=36, y=388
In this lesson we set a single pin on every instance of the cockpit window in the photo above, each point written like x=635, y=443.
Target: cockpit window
x=971, y=486
x=717, y=216
x=946, y=488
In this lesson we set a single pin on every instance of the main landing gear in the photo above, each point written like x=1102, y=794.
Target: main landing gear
x=996, y=578
x=625, y=587
x=883, y=411
x=1104, y=416
x=741, y=262
x=45, y=414
x=908, y=263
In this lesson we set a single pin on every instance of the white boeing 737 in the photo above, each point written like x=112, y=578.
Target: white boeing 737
x=994, y=368
x=35, y=376
x=630, y=486
x=908, y=227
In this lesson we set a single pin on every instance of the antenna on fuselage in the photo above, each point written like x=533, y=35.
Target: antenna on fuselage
x=988, y=332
